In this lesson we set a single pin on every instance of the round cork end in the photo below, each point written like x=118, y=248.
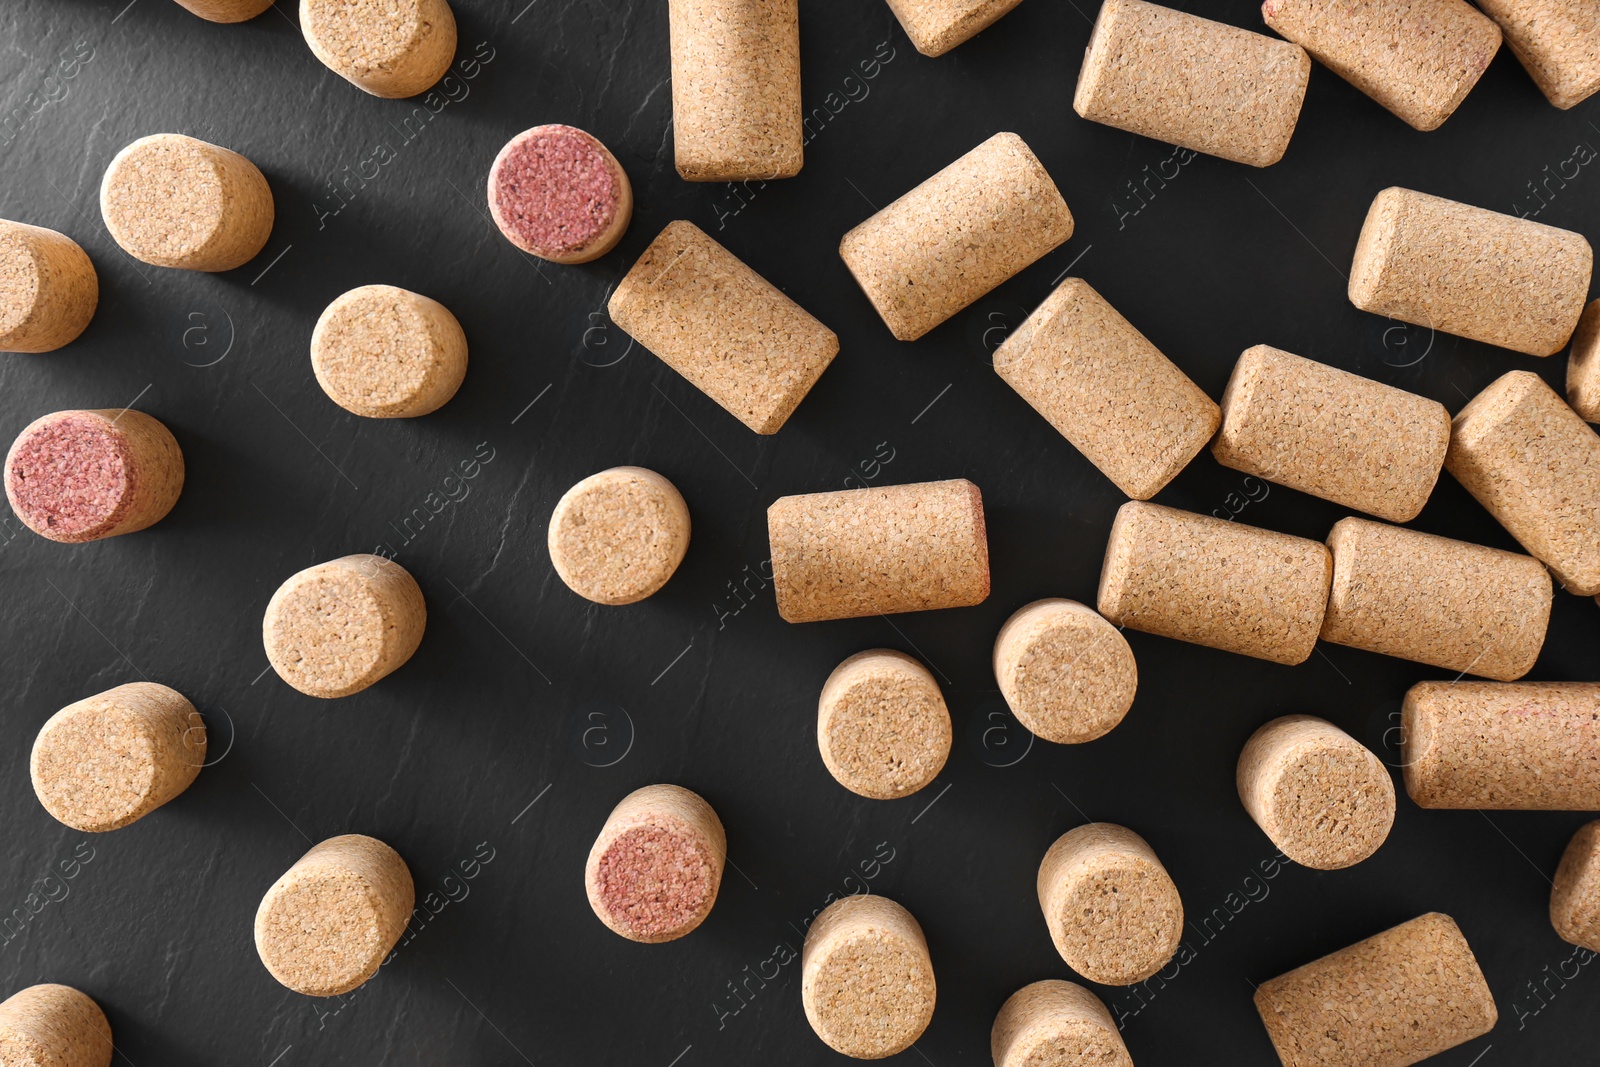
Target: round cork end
x=866, y=980
x=338, y=627
x=558, y=193
x=226, y=10
x=48, y=289
x=53, y=1026
x=387, y=353
x=654, y=871
x=882, y=725
x=617, y=536
x=1112, y=909
x=327, y=925
x=1067, y=674
x=78, y=476
x=389, y=48
x=1056, y=1024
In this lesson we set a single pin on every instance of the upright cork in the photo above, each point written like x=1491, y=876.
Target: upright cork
x=48, y=288
x=1535, y=465
x=1067, y=674
x=1189, y=81
x=1583, y=366
x=388, y=353
x=1332, y=434
x=1557, y=41
x=1392, y=1000
x=1575, y=895
x=327, y=925
x=654, y=871
x=866, y=980
x=226, y=10
x=858, y=552
x=54, y=1026
x=1056, y=1024
x=336, y=628
x=967, y=229
x=78, y=476
x=617, y=537
x=557, y=193
x=1470, y=271
x=1223, y=584
x=936, y=26
x=1107, y=389
x=389, y=48
x=882, y=725
x=724, y=327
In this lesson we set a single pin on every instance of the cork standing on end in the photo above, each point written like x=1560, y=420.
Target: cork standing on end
x=389, y=48
x=654, y=871
x=54, y=1026
x=557, y=193
x=617, y=537
x=226, y=10
x=1575, y=895
x=1067, y=674
x=1557, y=42
x=387, y=353
x=882, y=725
x=1583, y=366
x=1056, y=1024
x=48, y=288
x=936, y=26
x=866, y=979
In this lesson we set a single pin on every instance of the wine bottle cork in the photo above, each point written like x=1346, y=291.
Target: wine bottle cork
x=1535, y=465
x=858, y=552
x=1392, y=1000
x=866, y=979
x=617, y=537
x=175, y=201
x=1107, y=389
x=1508, y=746
x=970, y=227
x=1557, y=41
x=327, y=925
x=1056, y=1024
x=336, y=628
x=557, y=193
x=1189, y=81
x=226, y=10
x=882, y=725
x=1111, y=907
x=724, y=327
x=1332, y=434
x=1223, y=584
x=654, y=871
x=48, y=288
x=387, y=353
x=78, y=476
x=1470, y=271
x=389, y=48
x=936, y=26
x=1575, y=895
x=1066, y=674
x=54, y=1026
x=1583, y=366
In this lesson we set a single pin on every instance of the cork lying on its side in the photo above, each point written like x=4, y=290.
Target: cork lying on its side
x=1332, y=434
x=557, y=193
x=860, y=552
x=1056, y=1024
x=1583, y=366
x=617, y=537
x=1575, y=896
x=882, y=725
x=721, y=325
x=226, y=10
x=956, y=236
x=654, y=871
x=53, y=1026
x=389, y=48
x=388, y=353
x=1107, y=389
x=1558, y=41
x=1067, y=674
x=936, y=26
x=1390, y=1001
x=1470, y=271
x=866, y=980
x=48, y=288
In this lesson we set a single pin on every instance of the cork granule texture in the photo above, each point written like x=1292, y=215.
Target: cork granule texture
x=936, y=26
x=655, y=869
x=226, y=10
x=866, y=980
x=1056, y=1024
x=1558, y=41
x=53, y=1026
x=1583, y=366
x=1067, y=674
x=386, y=353
x=48, y=289
x=882, y=725
x=559, y=194
x=1575, y=896
x=389, y=48
x=617, y=537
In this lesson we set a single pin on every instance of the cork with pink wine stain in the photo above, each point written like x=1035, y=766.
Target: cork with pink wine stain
x=654, y=871
x=557, y=193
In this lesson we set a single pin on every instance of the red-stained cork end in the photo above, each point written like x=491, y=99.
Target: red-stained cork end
x=559, y=194
x=655, y=869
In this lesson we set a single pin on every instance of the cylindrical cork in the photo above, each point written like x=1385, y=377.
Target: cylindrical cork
x=388, y=353
x=1470, y=271
x=557, y=193
x=1558, y=42
x=1217, y=583
x=1111, y=907
x=1056, y=1024
x=1107, y=389
x=1583, y=366
x=390, y=48
x=617, y=536
x=1509, y=746
x=882, y=725
x=967, y=229
x=1535, y=465
x=54, y=1026
x=326, y=926
x=1433, y=600
x=1067, y=674
x=1332, y=434
x=1392, y=1000
x=48, y=288
x=936, y=26
x=78, y=476
x=336, y=628
x=866, y=980
x=1575, y=895
x=732, y=333
x=1192, y=82
x=858, y=552
x=226, y=10
x=654, y=871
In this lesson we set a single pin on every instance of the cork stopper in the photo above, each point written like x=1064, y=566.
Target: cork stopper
x=866, y=980
x=1056, y=1024
x=882, y=725
x=327, y=925
x=1557, y=42
x=558, y=193
x=1575, y=896
x=389, y=48
x=387, y=353
x=1583, y=366
x=1067, y=674
x=936, y=26
x=53, y=1026
x=336, y=628
x=226, y=10
x=617, y=537
x=48, y=288
x=654, y=871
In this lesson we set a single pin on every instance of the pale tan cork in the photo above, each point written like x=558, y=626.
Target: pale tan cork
x=654, y=871
x=110, y=759
x=53, y=1026
x=1223, y=584
x=967, y=229
x=1189, y=81
x=1067, y=674
x=1437, y=601
x=326, y=926
x=226, y=10
x=1111, y=907
x=1332, y=434
x=48, y=288
x=1392, y=1000
x=389, y=48
x=882, y=725
x=617, y=537
x=1557, y=41
x=725, y=328
x=936, y=26
x=1107, y=389
x=1508, y=746
x=1056, y=1024
x=338, y=627
x=1470, y=271
x=1535, y=465
x=858, y=552
x=387, y=353
x=1583, y=366
x=1575, y=895
x=866, y=979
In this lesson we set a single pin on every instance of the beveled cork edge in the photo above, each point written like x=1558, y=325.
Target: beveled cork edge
x=1583, y=366
x=678, y=810
x=62, y=1019
x=934, y=39
x=1375, y=249
x=1040, y=1012
x=68, y=291
x=1575, y=894
x=846, y=674
x=427, y=60
x=226, y=10
x=849, y=918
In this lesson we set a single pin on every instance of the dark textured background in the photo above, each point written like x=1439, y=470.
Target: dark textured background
x=524, y=694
